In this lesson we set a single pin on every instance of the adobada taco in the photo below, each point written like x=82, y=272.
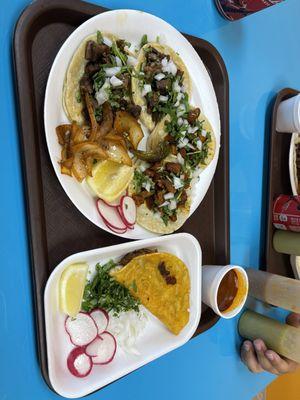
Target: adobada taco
x=160, y=83
x=162, y=195
x=100, y=67
x=190, y=136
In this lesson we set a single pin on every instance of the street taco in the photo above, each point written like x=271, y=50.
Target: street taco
x=161, y=191
x=161, y=82
x=101, y=67
x=190, y=136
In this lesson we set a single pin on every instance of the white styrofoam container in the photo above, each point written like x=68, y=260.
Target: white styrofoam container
x=155, y=341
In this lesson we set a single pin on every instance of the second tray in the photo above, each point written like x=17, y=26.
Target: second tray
x=279, y=183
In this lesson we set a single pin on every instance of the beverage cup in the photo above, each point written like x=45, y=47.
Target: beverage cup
x=288, y=115
x=212, y=277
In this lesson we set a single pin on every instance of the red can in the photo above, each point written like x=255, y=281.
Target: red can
x=237, y=9
x=286, y=213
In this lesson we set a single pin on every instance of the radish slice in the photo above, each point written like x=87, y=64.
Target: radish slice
x=123, y=219
x=82, y=329
x=119, y=231
x=101, y=319
x=127, y=210
x=102, y=349
x=79, y=363
x=110, y=216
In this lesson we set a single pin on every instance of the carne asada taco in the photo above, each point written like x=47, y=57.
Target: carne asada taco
x=161, y=191
x=190, y=136
x=161, y=82
x=102, y=68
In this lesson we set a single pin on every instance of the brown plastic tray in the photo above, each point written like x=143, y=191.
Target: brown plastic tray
x=279, y=183
x=56, y=228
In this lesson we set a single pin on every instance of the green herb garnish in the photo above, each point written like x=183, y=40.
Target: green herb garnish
x=105, y=292
x=99, y=37
x=144, y=40
x=118, y=53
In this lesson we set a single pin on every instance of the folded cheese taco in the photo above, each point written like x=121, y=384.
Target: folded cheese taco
x=161, y=281
x=160, y=83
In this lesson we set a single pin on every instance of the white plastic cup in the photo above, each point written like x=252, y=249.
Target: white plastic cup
x=288, y=115
x=212, y=276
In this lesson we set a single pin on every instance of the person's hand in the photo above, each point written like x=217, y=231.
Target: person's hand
x=258, y=358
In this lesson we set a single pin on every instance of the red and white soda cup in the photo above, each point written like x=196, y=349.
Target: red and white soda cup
x=237, y=9
x=286, y=213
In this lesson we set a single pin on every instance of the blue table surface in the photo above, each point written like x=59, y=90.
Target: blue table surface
x=261, y=53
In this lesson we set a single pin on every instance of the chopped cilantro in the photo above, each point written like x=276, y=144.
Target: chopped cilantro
x=144, y=40
x=99, y=37
x=105, y=292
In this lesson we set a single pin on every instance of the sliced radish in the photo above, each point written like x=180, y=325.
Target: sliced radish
x=101, y=319
x=79, y=363
x=114, y=203
x=127, y=210
x=110, y=216
x=123, y=219
x=102, y=349
x=82, y=329
x=118, y=231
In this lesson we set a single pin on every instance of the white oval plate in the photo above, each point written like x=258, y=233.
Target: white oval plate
x=155, y=341
x=129, y=25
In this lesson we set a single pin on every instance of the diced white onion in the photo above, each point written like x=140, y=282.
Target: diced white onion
x=180, y=110
x=178, y=99
x=182, y=176
x=172, y=205
x=146, y=89
x=127, y=328
x=180, y=159
x=112, y=71
x=107, y=41
x=176, y=86
x=192, y=129
x=102, y=94
x=143, y=166
x=164, y=62
x=118, y=61
x=203, y=133
x=159, y=76
x=165, y=203
x=147, y=186
x=115, y=81
x=177, y=183
x=169, y=67
x=163, y=99
x=132, y=61
x=183, y=142
x=180, y=121
x=168, y=196
x=199, y=144
x=190, y=146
